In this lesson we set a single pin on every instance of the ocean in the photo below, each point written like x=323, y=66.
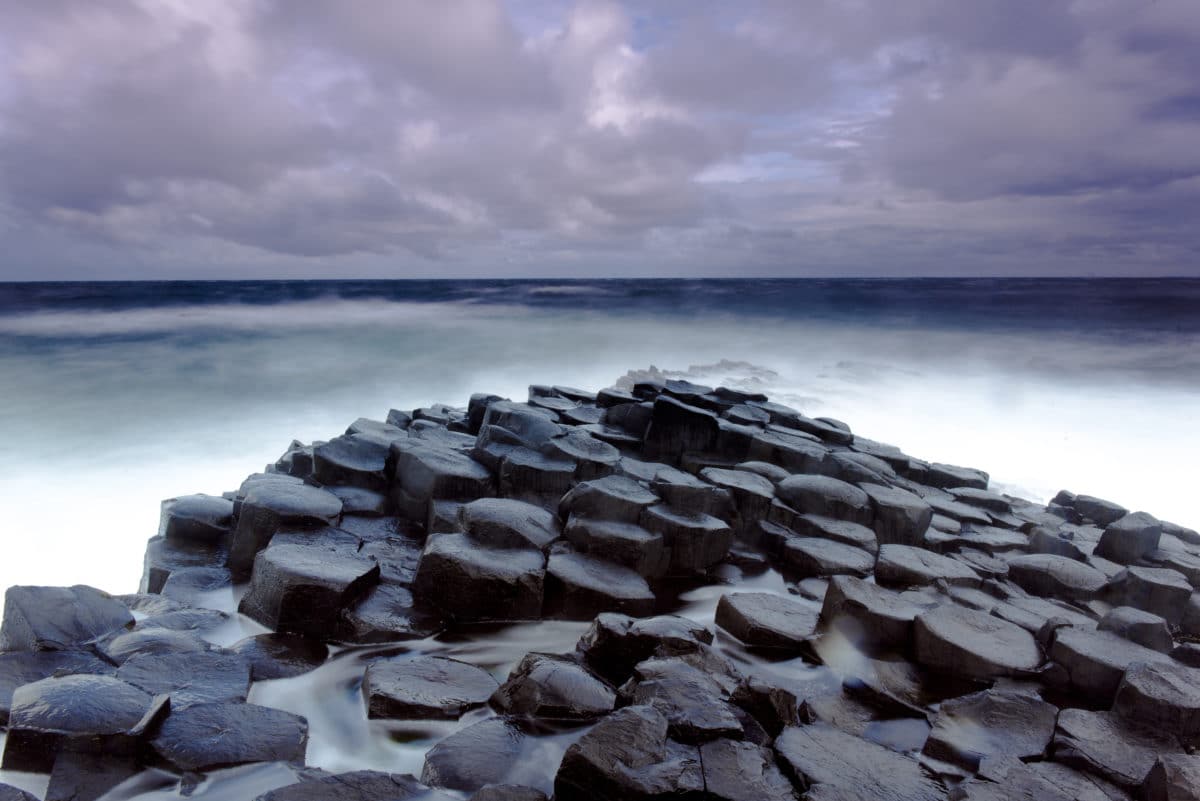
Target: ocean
x=114, y=396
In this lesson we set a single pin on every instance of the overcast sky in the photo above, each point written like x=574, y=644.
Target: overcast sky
x=243, y=138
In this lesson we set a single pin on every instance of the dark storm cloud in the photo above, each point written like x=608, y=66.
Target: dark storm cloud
x=477, y=137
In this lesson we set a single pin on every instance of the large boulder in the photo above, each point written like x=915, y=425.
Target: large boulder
x=1158, y=590
x=508, y=523
x=424, y=472
x=205, y=519
x=578, y=585
x=1143, y=628
x=968, y=642
x=190, y=679
x=677, y=428
x=766, y=620
x=739, y=771
x=828, y=497
x=626, y=544
x=358, y=460
x=58, y=618
x=554, y=687
x=696, y=541
x=388, y=613
x=593, y=457
x=470, y=582
x=989, y=725
x=268, y=506
x=692, y=699
x=1096, y=661
x=97, y=714
x=1163, y=695
x=1129, y=539
x=614, y=498
x=833, y=764
x=424, y=687
x=303, y=589
x=903, y=565
x=899, y=516
x=1097, y=510
x=810, y=556
x=629, y=756
x=614, y=644
x=869, y=615
x=1105, y=744
x=210, y=736
x=18, y=668
x=1055, y=577
x=478, y=755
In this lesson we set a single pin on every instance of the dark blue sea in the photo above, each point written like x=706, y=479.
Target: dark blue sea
x=115, y=395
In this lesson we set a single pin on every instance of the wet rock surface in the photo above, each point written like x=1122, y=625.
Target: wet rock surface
x=661, y=590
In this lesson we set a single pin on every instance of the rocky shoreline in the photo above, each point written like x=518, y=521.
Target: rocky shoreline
x=884, y=627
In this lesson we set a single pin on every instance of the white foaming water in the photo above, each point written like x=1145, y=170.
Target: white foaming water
x=115, y=411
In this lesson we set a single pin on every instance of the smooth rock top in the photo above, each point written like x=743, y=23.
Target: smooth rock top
x=57, y=618
x=549, y=686
x=79, y=705
x=968, y=642
x=424, y=687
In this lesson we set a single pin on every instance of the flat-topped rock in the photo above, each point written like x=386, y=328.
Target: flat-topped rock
x=696, y=541
x=900, y=517
x=358, y=460
x=627, y=544
x=614, y=644
x=424, y=687
x=741, y=771
x=303, y=589
x=1145, y=629
x=470, y=582
x=968, y=642
x=196, y=518
x=1055, y=577
x=424, y=472
x=1104, y=744
x=947, y=476
x=1158, y=590
x=989, y=725
x=509, y=523
x=190, y=678
x=526, y=473
x=766, y=620
x=821, y=755
x=359, y=785
x=1097, y=510
x=828, y=497
x=470, y=758
x=554, y=687
x=593, y=457
x=1096, y=661
x=1163, y=695
x=58, y=618
x=18, y=668
x=99, y=714
x=677, y=428
x=269, y=505
x=578, y=585
x=628, y=755
x=209, y=736
x=810, y=556
x=870, y=615
x=903, y=565
x=388, y=613
x=693, y=701
x=1129, y=538
x=615, y=498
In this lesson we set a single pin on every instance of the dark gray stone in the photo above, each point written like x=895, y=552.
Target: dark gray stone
x=470, y=758
x=210, y=736
x=268, y=506
x=359, y=785
x=766, y=620
x=904, y=565
x=809, y=556
x=1053, y=576
x=195, y=585
x=1143, y=628
x=900, y=517
x=791, y=451
x=838, y=530
x=626, y=544
x=508, y=792
x=1096, y=661
x=388, y=613
x=696, y=541
x=628, y=756
x=358, y=460
x=58, y=618
x=1097, y=510
x=948, y=475
x=204, y=519
x=469, y=582
x=190, y=679
x=1163, y=695
x=508, y=523
x=1102, y=743
x=126, y=645
x=870, y=615
x=98, y=714
x=738, y=771
x=578, y=585
x=303, y=590
x=526, y=473
x=593, y=458
x=25, y=667
x=615, y=643
x=554, y=687
x=424, y=687
x=1175, y=777
x=83, y=776
x=616, y=498
x=693, y=702
x=1130, y=538
x=991, y=724
x=819, y=754
x=425, y=472
x=1158, y=590
x=967, y=642
x=828, y=497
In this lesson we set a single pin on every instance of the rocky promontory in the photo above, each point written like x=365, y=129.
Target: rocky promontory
x=656, y=591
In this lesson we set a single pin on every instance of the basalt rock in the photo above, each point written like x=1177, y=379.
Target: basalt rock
x=58, y=618
x=303, y=589
x=554, y=687
x=579, y=585
x=208, y=736
x=766, y=620
x=424, y=688
x=470, y=582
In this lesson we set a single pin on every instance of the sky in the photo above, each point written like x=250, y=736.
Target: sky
x=359, y=138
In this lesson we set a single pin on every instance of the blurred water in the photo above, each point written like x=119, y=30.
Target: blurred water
x=114, y=396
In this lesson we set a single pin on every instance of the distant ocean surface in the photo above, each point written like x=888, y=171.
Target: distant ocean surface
x=116, y=395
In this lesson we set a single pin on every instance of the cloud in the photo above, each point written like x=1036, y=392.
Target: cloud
x=235, y=137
